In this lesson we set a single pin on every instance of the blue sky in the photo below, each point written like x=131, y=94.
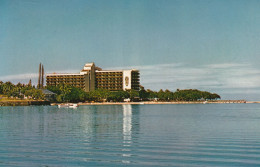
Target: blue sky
x=209, y=44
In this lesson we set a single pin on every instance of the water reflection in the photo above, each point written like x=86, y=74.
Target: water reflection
x=127, y=123
x=127, y=131
x=90, y=133
x=136, y=135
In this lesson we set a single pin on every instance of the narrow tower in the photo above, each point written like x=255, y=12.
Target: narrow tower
x=39, y=79
x=42, y=81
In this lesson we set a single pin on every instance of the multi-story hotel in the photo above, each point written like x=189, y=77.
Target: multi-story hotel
x=92, y=77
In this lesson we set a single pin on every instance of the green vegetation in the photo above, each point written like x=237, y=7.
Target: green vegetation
x=66, y=93
x=20, y=91
x=180, y=95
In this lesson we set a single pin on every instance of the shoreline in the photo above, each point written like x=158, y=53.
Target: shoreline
x=179, y=102
x=29, y=103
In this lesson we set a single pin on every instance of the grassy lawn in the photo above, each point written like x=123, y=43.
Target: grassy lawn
x=4, y=98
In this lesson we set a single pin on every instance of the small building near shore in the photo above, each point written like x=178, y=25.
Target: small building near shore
x=48, y=95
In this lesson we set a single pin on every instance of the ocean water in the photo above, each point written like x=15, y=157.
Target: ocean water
x=131, y=135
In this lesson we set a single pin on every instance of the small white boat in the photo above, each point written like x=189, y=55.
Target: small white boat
x=205, y=102
x=73, y=106
x=68, y=105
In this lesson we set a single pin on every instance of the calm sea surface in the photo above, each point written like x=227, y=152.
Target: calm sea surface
x=131, y=135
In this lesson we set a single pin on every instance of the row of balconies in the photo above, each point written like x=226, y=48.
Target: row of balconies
x=53, y=77
x=76, y=83
x=108, y=73
x=57, y=83
x=137, y=85
x=65, y=80
x=97, y=77
x=109, y=80
x=106, y=87
x=116, y=86
x=109, y=76
x=107, y=83
x=62, y=79
x=80, y=86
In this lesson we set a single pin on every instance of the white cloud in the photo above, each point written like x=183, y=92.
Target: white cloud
x=226, y=65
x=213, y=76
x=18, y=76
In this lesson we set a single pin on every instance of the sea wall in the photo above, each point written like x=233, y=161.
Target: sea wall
x=23, y=103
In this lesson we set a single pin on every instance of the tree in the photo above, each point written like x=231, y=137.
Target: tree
x=168, y=95
x=30, y=83
x=54, y=89
x=133, y=94
x=1, y=87
x=161, y=95
x=7, y=87
x=77, y=95
x=65, y=91
x=37, y=94
x=143, y=94
x=152, y=94
x=118, y=96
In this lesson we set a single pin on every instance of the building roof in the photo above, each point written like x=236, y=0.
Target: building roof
x=115, y=70
x=55, y=74
x=109, y=71
x=89, y=64
x=87, y=67
x=47, y=92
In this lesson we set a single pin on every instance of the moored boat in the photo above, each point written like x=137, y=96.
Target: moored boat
x=68, y=105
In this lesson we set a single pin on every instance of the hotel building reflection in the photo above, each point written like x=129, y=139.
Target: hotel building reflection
x=127, y=124
x=117, y=122
x=130, y=131
x=94, y=128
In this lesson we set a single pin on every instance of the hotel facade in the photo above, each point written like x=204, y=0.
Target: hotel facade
x=92, y=77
